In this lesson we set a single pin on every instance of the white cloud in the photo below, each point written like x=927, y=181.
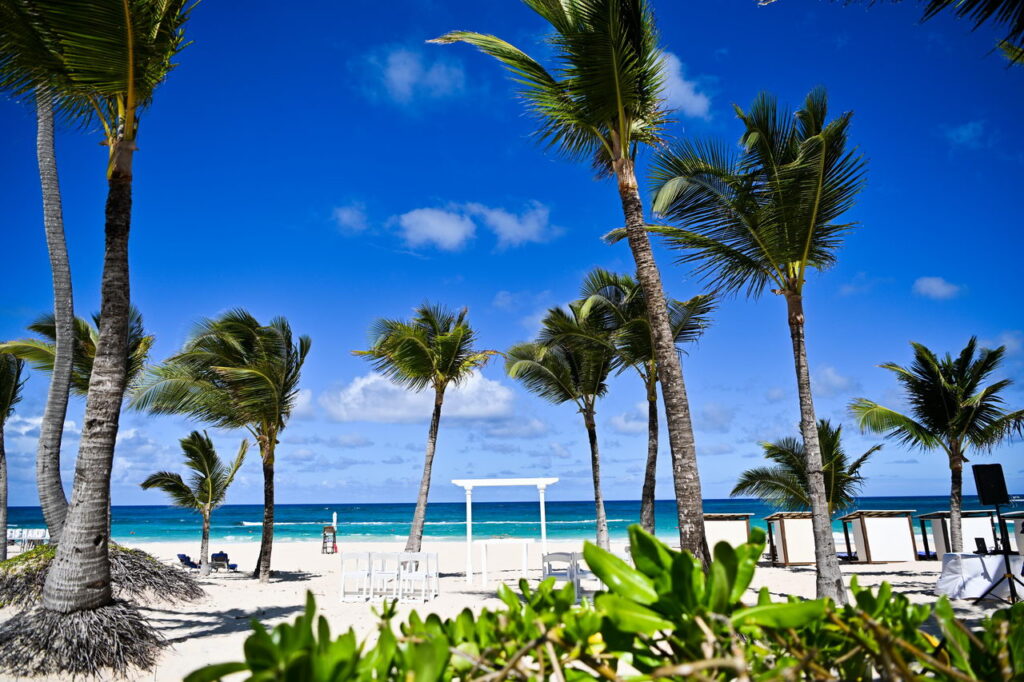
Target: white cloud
x=351, y=218
x=828, y=382
x=774, y=395
x=407, y=75
x=1013, y=340
x=446, y=230
x=303, y=407
x=936, y=288
x=374, y=398
x=512, y=230
x=970, y=135
x=682, y=94
x=715, y=417
x=504, y=300
x=517, y=428
x=634, y=421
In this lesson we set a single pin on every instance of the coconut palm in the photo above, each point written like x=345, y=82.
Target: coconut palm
x=42, y=353
x=234, y=373
x=11, y=383
x=96, y=60
x=783, y=484
x=567, y=364
x=207, y=486
x=756, y=221
x=602, y=104
x=622, y=298
x=435, y=350
x=952, y=409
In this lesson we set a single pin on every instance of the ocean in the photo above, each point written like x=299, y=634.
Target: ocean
x=445, y=520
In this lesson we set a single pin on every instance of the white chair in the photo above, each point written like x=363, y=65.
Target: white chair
x=355, y=567
x=418, y=569
x=384, y=574
x=560, y=566
x=582, y=572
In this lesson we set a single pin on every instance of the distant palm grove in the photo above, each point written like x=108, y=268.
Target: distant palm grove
x=753, y=213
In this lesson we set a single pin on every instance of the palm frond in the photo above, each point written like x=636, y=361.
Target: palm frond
x=11, y=384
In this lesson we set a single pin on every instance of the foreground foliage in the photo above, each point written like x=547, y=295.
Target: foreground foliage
x=666, y=618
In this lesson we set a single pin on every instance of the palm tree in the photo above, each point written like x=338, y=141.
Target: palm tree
x=567, y=365
x=42, y=353
x=952, y=409
x=622, y=298
x=234, y=373
x=10, y=394
x=783, y=484
x=96, y=60
x=432, y=350
x=603, y=104
x=757, y=221
x=207, y=486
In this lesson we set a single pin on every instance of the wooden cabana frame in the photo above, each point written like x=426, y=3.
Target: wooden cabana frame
x=783, y=542
x=724, y=521
x=862, y=519
x=942, y=518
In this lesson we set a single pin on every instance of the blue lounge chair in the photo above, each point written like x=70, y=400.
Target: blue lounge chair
x=219, y=560
x=187, y=562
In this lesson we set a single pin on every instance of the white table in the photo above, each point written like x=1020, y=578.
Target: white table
x=485, y=545
x=967, y=576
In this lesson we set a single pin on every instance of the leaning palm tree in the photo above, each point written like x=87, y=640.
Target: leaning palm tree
x=207, y=487
x=569, y=365
x=432, y=350
x=602, y=104
x=234, y=373
x=96, y=60
x=756, y=221
x=622, y=299
x=952, y=409
x=784, y=483
x=10, y=394
x=42, y=353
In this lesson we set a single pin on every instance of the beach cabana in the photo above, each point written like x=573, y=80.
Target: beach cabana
x=881, y=535
x=791, y=538
x=976, y=523
x=469, y=483
x=731, y=528
x=1015, y=526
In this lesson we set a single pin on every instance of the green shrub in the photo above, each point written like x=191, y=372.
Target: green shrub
x=664, y=619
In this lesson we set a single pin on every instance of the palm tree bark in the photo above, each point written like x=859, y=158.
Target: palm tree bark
x=829, y=577
x=79, y=577
x=48, y=480
x=419, y=517
x=267, y=537
x=956, y=477
x=686, y=477
x=595, y=468
x=651, y=472
x=3, y=496
x=204, y=548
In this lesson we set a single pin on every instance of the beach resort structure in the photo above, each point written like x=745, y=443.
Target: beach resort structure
x=731, y=528
x=790, y=538
x=880, y=536
x=976, y=524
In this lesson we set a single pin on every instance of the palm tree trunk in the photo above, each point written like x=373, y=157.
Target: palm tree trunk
x=650, y=474
x=419, y=517
x=204, y=548
x=689, y=504
x=79, y=577
x=51, y=489
x=829, y=577
x=595, y=468
x=3, y=496
x=267, y=538
x=956, y=475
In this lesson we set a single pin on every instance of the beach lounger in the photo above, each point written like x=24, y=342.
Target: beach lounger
x=219, y=560
x=186, y=562
x=355, y=568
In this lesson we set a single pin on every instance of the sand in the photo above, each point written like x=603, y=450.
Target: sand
x=213, y=629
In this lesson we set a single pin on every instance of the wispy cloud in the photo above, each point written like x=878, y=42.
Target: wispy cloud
x=532, y=225
x=351, y=218
x=682, y=94
x=1012, y=339
x=970, y=135
x=936, y=288
x=407, y=75
x=451, y=228
x=828, y=382
x=445, y=230
x=632, y=422
x=715, y=417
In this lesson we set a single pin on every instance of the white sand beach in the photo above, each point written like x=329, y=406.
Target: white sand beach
x=213, y=629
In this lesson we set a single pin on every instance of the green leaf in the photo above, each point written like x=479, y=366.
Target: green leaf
x=650, y=555
x=629, y=616
x=215, y=672
x=789, y=615
x=619, y=576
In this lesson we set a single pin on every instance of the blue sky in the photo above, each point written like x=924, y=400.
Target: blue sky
x=327, y=165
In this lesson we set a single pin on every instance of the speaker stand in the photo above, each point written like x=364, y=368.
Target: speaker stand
x=1012, y=580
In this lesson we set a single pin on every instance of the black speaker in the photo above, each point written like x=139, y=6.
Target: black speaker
x=991, y=484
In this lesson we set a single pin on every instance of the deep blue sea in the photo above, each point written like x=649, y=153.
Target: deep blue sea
x=444, y=520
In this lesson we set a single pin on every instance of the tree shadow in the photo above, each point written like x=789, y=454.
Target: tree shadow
x=178, y=627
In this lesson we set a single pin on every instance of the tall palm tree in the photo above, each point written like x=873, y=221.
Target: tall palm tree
x=567, y=365
x=234, y=373
x=206, y=488
x=435, y=350
x=602, y=104
x=42, y=353
x=784, y=485
x=952, y=409
x=96, y=60
x=622, y=298
x=756, y=221
x=10, y=394
x=51, y=431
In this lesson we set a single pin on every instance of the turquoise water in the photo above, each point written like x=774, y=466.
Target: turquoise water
x=444, y=520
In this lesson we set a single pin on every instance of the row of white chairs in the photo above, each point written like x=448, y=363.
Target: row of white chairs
x=572, y=568
x=405, y=576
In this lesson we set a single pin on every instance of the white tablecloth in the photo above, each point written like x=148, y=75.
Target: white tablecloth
x=967, y=576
